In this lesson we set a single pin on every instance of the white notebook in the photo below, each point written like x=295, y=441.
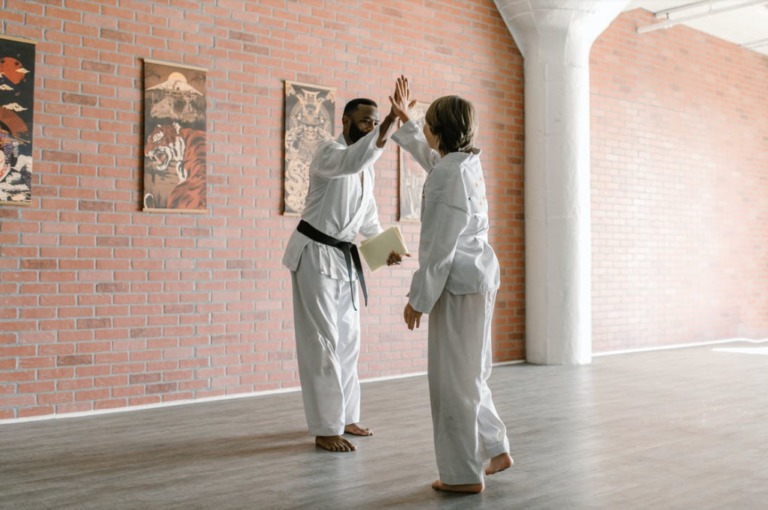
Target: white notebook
x=376, y=250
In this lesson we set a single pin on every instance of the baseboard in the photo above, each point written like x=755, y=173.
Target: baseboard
x=147, y=406
x=678, y=346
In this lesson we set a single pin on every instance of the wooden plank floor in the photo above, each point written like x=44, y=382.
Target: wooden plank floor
x=679, y=429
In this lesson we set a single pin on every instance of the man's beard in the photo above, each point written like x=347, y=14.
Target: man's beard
x=355, y=133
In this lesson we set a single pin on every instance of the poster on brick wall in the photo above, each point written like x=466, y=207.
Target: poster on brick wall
x=412, y=176
x=309, y=112
x=17, y=91
x=174, y=138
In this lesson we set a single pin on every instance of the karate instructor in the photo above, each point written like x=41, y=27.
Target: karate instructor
x=325, y=269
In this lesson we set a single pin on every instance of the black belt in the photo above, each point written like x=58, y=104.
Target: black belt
x=348, y=249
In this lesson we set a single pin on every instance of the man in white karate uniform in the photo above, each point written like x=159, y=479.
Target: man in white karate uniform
x=339, y=206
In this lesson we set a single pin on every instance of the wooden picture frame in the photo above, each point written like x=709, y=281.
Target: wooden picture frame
x=175, y=157
x=309, y=120
x=17, y=102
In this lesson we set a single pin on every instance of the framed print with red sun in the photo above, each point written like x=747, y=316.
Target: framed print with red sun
x=17, y=101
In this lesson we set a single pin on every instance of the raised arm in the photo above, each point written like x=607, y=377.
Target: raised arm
x=412, y=140
x=386, y=127
x=335, y=160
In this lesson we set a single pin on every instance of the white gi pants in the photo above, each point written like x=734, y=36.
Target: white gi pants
x=467, y=428
x=327, y=345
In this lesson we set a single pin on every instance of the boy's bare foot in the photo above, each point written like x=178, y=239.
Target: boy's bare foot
x=335, y=444
x=357, y=430
x=473, y=488
x=499, y=463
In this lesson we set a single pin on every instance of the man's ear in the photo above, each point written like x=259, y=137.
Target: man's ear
x=345, y=122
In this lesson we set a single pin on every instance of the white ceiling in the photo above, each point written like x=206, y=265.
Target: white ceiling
x=740, y=26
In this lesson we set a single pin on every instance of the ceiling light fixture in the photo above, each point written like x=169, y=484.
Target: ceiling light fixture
x=710, y=12
x=755, y=44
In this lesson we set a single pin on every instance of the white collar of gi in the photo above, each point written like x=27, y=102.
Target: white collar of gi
x=461, y=156
x=341, y=140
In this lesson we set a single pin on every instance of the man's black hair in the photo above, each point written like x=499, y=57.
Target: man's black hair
x=352, y=105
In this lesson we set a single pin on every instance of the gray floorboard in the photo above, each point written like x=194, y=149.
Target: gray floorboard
x=677, y=429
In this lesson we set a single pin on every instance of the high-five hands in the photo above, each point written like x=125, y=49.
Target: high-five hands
x=392, y=113
x=388, y=124
x=402, y=103
x=412, y=317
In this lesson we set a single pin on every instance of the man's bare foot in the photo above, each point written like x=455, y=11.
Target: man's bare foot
x=335, y=444
x=357, y=430
x=472, y=488
x=499, y=463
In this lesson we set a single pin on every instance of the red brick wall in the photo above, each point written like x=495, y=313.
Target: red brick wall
x=103, y=306
x=679, y=188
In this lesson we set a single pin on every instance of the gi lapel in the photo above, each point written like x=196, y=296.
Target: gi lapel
x=349, y=232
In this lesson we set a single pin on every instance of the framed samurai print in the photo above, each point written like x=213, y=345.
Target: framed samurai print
x=174, y=138
x=309, y=120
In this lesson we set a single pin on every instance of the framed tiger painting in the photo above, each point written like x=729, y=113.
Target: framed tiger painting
x=174, y=138
x=309, y=120
x=17, y=91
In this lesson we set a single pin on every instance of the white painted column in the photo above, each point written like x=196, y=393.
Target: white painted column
x=555, y=38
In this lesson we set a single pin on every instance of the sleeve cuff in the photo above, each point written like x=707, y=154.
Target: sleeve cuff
x=378, y=230
x=407, y=130
x=420, y=306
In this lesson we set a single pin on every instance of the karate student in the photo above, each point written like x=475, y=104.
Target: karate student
x=456, y=285
x=325, y=267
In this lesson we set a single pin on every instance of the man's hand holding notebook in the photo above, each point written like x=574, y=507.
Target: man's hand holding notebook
x=385, y=249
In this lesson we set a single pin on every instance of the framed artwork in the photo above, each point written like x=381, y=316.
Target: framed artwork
x=309, y=120
x=17, y=101
x=174, y=138
x=412, y=176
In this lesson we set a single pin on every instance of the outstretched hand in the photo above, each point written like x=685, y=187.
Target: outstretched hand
x=401, y=102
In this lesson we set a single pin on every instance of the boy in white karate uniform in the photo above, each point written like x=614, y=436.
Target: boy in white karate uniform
x=456, y=285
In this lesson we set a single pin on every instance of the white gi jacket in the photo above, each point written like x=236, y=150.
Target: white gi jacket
x=454, y=253
x=338, y=204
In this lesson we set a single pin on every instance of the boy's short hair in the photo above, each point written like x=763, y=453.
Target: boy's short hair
x=350, y=108
x=454, y=122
